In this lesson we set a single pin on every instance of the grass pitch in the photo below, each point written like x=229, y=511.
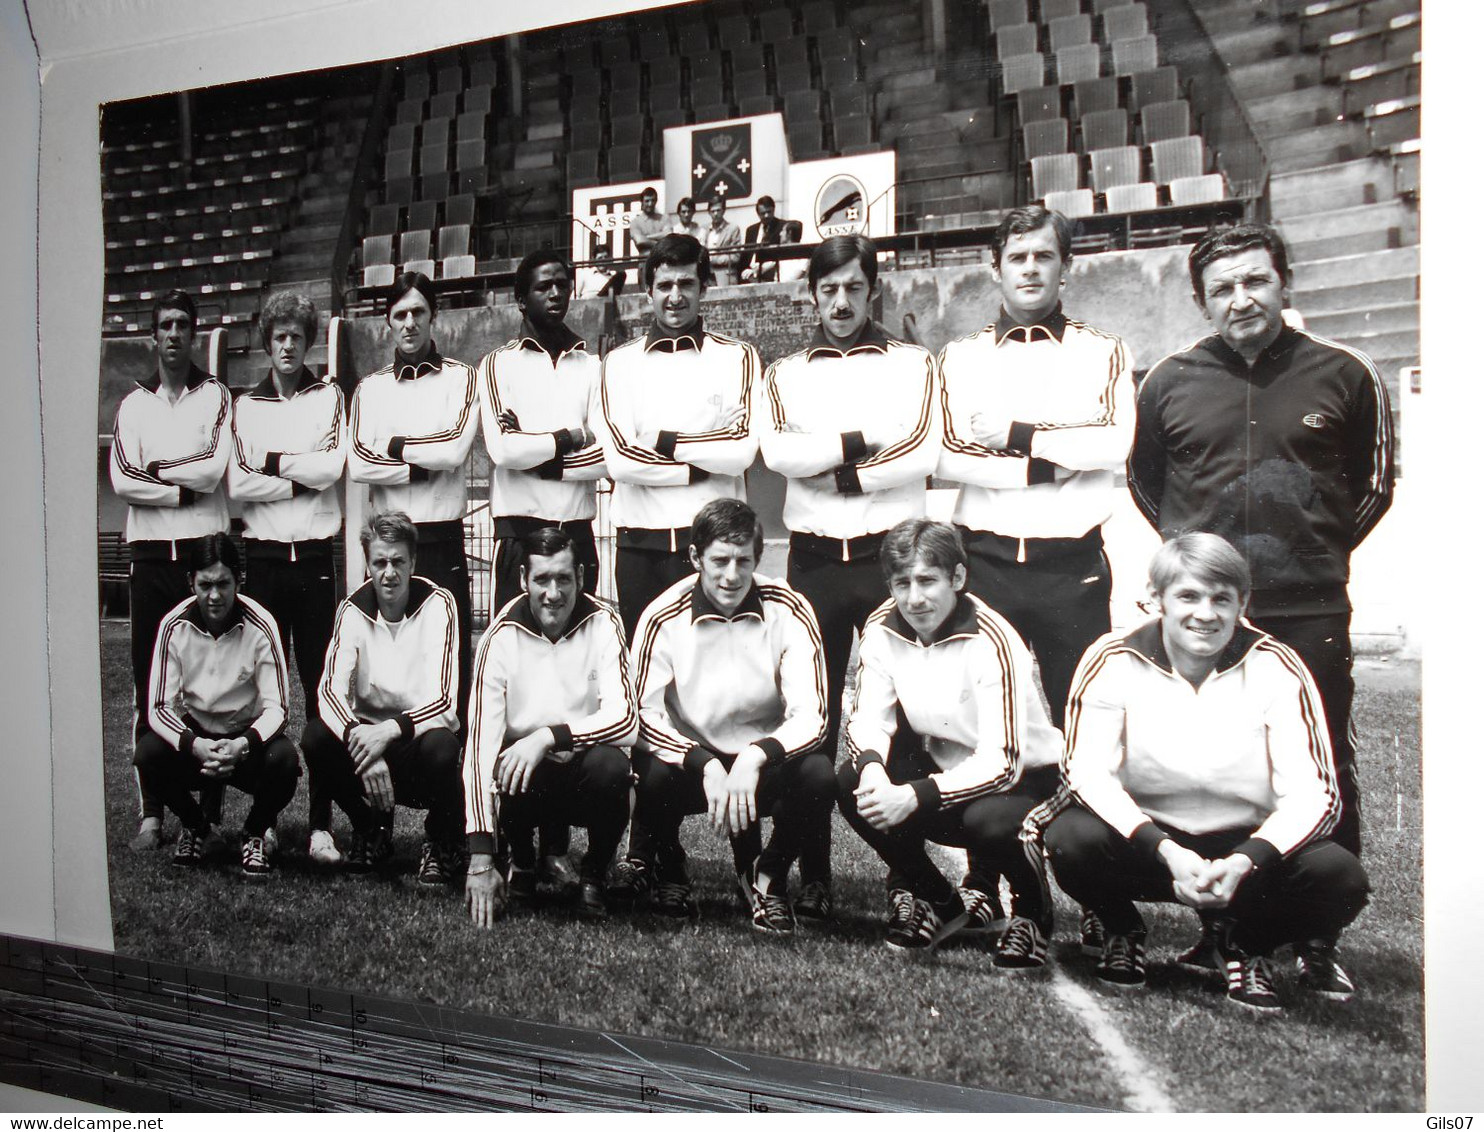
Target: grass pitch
x=835, y=995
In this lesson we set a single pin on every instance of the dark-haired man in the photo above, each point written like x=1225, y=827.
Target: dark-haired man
x=287, y=459
x=730, y=678
x=412, y=424
x=218, y=690
x=852, y=422
x=722, y=239
x=535, y=393
x=1281, y=442
x=674, y=420
x=648, y=224
x=948, y=743
x=388, y=728
x=1197, y=771
x=767, y=230
x=551, y=716
x=171, y=440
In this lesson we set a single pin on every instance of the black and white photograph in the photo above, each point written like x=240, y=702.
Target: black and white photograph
x=875, y=534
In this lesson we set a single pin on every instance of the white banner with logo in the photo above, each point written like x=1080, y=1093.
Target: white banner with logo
x=841, y=196
x=740, y=159
x=601, y=216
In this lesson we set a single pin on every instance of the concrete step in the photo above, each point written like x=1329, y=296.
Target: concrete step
x=1369, y=171
x=1356, y=296
x=911, y=104
x=1318, y=145
x=1313, y=105
x=924, y=136
x=1223, y=17
x=909, y=80
x=1293, y=72
x=893, y=25
x=545, y=131
x=1353, y=243
x=1388, y=349
x=317, y=208
x=1253, y=43
x=902, y=57
x=297, y=263
x=1394, y=214
x=1394, y=263
x=1366, y=320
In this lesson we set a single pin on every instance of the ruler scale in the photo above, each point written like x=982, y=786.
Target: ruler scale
x=144, y=1036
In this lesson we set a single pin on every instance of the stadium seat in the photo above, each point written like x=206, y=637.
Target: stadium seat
x=1178, y=157
x=749, y=84
x=850, y=100
x=1023, y=72
x=706, y=91
x=1209, y=189
x=715, y=112
x=1127, y=21
x=1070, y=31
x=587, y=87
x=1119, y=165
x=422, y=214
x=747, y=58
x=662, y=120
x=410, y=112
x=792, y=78
x=852, y=131
x=582, y=166
x=654, y=43
x=1017, y=39
x=585, y=133
x=1071, y=203
x=1130, y=56
x=820, y=15
x=379, y=275
x=465, y=181
x=776, y=25
x=1003, y=13
x=460, y=209
x=469, y=155
x=627, y=131
x=397, y=190
x=485, y=74
x=453, y=239
x=734, y=31
x=1104, y=129
x=450, y=79
x=624, y=163
x=470, y=126
x=435, y=131
x=1136, y=197
x=666, y=70
x=802, y=106
x=444, y=104
x=791, y=55
x=433, y=158
x=837, y=70
x=1059, y=9
x=1091, y=95
x=383, y=221
x=416, y=85
x=627, y=77
x=426, y=266
x=1045, y=137
x=1058, y=173
x=478, y=99
x=1161, y=84
x=400, y=136
x=1160, y=121
x=693, y=39
x=376, y=249
x=1038, y=103
x=758, y=104
x=614, y=49
x=397, y=164
x=1078, y=64
x=414, y=245
x=665, y=97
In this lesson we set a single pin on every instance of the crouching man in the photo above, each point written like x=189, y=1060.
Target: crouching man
x=1198, y=768
x=731, y=682
x=976, y=754
x=551, y=717
x=388, y=726
x=216, y=708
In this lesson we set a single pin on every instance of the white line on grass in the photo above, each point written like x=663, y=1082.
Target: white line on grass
x=1142, y=1092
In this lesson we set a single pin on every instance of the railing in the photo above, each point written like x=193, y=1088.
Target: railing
x=1215, y=105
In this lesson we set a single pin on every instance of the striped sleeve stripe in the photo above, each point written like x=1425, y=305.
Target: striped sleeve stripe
x=132, y=471
x=361, y=450
x=266, y=626
x=951, y=439
x=1369, y=512
x=775, y=401
x=1087, y=672
x=477, y=781
x=327, y=693
x=1008, y=705
x=919, y=430
x=1117, y=364
x=216, y=433
x=1317, y=733
x=586, y=458
x=739, y=430
x=631, y=715
x=798, y=608
x=444, y=700
x=645, y=653
x=471, y=402
x=166, y=711
x=630, y=451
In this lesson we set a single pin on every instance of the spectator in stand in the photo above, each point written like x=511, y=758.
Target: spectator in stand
x=790, y=270
x=685, y=220
x=600, y=278
x=767, y=230
x=721, y=240
x=648, y=224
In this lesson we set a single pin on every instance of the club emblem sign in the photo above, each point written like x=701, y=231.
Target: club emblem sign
x=841, y=208
x=721, y=162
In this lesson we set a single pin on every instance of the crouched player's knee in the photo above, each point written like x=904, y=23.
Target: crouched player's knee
x=607, y=770
x=281, y=760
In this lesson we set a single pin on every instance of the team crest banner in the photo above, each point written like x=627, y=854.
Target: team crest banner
x=721, y=162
